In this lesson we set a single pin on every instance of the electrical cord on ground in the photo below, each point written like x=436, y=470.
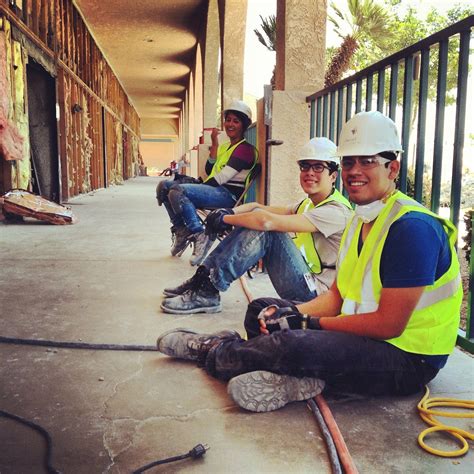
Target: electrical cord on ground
x=333, y=457
x=428, y=416
x=75, y=345
x=197, y=452
x=245, y=288
x=49, y=443
x=336, y=439
x=342, y=450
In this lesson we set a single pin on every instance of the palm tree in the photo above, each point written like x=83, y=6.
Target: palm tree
x=365, y=19
x=269, y=29
x=268, y=38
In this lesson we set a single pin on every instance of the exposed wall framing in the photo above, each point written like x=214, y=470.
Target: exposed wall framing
x=98, y=128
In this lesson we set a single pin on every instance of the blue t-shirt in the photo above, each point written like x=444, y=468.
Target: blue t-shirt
x=416, y=253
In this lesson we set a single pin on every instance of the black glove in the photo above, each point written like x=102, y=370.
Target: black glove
x=184, y=179
x=288, y=318
x=215, y=224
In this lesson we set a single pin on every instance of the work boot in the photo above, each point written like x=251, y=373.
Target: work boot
x=203, y=297
x=190, y=284
x=265, y=391
x=179, y=240
x=193, y=301
x=202, y=245
x=187, y=344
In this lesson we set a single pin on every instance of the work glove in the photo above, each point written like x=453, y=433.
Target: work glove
x=287, y=318
x=215, y=224
x=184, y=179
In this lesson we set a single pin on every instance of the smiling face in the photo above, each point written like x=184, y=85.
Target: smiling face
x=318, y=186
x=368, y=185
x=233, y=127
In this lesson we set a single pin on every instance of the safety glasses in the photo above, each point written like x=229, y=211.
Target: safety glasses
x=316, y=167
x=365, y=162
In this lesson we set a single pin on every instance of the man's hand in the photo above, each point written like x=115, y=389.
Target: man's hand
x=272, y=318
x=215, y=224
x=214, y=134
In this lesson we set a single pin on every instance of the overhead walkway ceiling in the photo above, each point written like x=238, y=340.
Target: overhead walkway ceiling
x=151, y=46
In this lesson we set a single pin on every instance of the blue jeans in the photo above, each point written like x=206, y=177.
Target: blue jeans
x=346, y=362
x=165, y=187
x=243, y=248
x=184, y=199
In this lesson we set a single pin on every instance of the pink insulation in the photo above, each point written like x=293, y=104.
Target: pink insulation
x=11, y=141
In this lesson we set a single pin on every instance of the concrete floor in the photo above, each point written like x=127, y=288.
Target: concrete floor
x=100, y=281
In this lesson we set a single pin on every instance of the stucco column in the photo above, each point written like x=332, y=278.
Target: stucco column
x=233, y=41
x=300, y=63
x=210, y=83
x=211, y=66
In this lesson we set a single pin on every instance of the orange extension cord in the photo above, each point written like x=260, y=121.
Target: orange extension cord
x=341, y=447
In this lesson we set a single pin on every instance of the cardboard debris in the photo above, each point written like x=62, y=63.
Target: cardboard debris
x=20, y=202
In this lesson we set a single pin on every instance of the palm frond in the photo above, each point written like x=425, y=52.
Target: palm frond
x=268, y=26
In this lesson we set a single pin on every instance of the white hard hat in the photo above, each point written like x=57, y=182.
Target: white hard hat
x=239, y=106
x=321, y=149
x=368, y=133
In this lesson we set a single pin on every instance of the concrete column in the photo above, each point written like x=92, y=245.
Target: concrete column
x=192, y=140
x=211, y=66
x=301, y=44
x=210, y=84
x=198, y=96
x=233, y=40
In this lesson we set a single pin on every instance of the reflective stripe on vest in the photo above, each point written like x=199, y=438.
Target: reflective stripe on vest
x=224, y=152
x=432, y=327
x=304, y=240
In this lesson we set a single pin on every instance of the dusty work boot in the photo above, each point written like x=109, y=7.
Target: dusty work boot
x=193, y=301
x=187, y=344
x=202, y=297
x=179, y=240
x=202, y=245
x=265, y=391
x=190, y=284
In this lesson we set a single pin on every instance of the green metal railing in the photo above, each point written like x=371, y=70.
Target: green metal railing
x=251, y=137
x=427, y=97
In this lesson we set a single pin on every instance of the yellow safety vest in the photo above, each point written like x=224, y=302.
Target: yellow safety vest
x=433, y=325
x=304, y=240
x=224, y=152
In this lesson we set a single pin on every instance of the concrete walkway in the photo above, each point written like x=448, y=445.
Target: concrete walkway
x=100, y=281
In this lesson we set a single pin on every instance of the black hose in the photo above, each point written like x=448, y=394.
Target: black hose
x=75, y=345
x=333, y=456
x=49, y=444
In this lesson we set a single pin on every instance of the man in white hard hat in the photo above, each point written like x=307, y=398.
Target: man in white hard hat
x=300, y=267
x=228, y=168
x=387, y=324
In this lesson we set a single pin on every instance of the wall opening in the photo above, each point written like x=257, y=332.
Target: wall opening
x=44, y=158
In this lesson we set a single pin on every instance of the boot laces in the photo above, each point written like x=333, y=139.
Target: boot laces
x=200, y=349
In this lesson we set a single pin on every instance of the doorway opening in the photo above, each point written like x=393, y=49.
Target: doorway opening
x=44, y=157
